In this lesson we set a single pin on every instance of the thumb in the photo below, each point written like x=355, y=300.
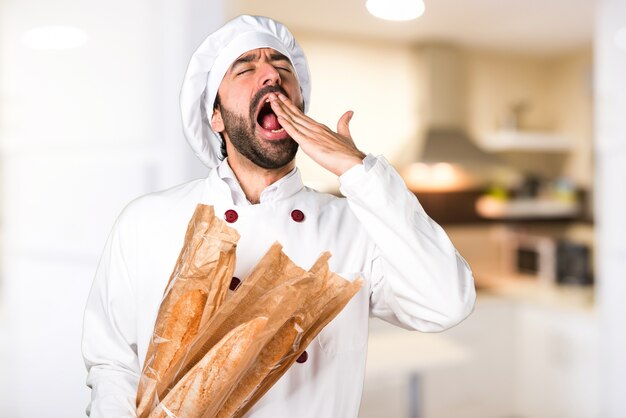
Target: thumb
x=343, y=127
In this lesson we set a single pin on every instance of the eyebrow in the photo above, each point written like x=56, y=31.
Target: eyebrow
x=248, y=58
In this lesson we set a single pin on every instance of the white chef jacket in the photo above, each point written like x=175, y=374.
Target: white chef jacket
x=414, y=277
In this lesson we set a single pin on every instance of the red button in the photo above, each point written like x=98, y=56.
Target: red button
x=230, y=216
x=303, y=357
x=234, y=283
x=297, y=215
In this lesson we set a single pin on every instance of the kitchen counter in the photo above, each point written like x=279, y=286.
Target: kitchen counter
x=529, y=289
x=522, y=331
x=418, y=352
x=396, y=350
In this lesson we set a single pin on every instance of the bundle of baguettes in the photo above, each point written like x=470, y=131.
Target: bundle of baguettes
x=319, y=303
x=196, y=288
x=251, y=339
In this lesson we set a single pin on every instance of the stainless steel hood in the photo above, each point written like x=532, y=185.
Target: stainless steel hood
x=454, y=146
x=442, y=97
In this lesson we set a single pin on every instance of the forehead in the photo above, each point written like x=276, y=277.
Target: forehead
x=257, y=53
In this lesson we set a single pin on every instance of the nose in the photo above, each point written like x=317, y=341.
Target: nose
x=269, y=74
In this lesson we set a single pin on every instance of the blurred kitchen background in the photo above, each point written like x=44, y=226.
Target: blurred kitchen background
x=505, y=117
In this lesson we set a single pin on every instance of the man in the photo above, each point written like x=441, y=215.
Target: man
x=244, y=95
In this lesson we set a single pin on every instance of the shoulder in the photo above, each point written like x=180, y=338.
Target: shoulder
x=163, y=205
x=321, y=199
x=329, y=205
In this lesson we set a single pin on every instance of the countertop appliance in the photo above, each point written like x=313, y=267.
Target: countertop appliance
x=551, y=260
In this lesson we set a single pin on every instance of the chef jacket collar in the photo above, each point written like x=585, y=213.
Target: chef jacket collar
x=284, y=188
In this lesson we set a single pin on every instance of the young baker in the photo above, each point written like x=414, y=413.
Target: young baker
x=243, y=102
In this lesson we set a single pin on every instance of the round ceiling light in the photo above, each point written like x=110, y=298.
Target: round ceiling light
x=55, y=37
x=395, y=9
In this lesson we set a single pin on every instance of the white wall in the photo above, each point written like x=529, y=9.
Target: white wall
x=557, y=92
x=375, y=80
x=83, y=131
x=381, y=82
x=610, y=148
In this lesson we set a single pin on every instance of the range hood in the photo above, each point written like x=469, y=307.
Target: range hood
x=441, y=98
x=454, y=146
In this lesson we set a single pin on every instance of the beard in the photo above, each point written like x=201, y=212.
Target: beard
x=241, y=132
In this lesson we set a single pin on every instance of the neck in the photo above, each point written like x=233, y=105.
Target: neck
x=254, y=179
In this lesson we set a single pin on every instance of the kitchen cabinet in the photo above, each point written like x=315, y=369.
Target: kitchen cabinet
x=537, y=141
x=557, y=363
x=397, y=360
x=482, y=387
x=463, y=372
x=529, y=351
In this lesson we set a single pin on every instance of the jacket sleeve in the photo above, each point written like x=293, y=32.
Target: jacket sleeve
x=109, y=330
x=418, y=279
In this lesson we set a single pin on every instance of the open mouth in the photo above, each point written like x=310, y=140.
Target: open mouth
x=267, y=119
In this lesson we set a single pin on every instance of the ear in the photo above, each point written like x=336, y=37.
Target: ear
x=217, y=123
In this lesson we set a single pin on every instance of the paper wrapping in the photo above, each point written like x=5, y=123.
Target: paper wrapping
x=195, y=290
x=251, y=340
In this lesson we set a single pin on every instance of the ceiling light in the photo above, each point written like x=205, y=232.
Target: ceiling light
x=620, y=38
x=395, y=9
x=55, y=37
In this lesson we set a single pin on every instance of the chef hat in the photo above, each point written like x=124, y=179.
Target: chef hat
x=209, y=64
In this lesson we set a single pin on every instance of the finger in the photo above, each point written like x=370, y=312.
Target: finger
x=281, y=109
x=289, y=103
x=298, y=115
x=343, y=126
x=294, y=130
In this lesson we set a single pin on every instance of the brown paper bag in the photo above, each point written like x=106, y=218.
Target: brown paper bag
x=246, y=343
x=258, y=295
x=202, y=390
x=325, y=297
x=196, y=289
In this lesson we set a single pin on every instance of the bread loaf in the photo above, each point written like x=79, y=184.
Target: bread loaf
x=202, y=390
x=278, y=347
x=197, y=287
x=180, y=328
x=324, y=299
x=258, y=294
x=249, y=342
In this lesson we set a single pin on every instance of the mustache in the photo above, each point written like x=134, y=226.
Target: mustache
x=254, y=104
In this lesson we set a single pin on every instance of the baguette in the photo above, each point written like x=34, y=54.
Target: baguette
x=271, y=355
x=281, y=348
x=202, y=390
x=260, y=293
x=197, y=287
x=324, y=300
x=180, y=328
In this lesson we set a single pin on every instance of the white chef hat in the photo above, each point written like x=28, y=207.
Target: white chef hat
x=209, y=64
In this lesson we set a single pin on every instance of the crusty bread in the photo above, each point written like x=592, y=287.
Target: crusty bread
x=258, y=294
x=201, y=391
x=271, y=355
x=196, y=289
x=323, y=302
x=280, y=349
x=183, y=327
x=249, y=342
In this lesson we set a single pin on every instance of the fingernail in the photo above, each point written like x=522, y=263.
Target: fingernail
x=281, y=96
